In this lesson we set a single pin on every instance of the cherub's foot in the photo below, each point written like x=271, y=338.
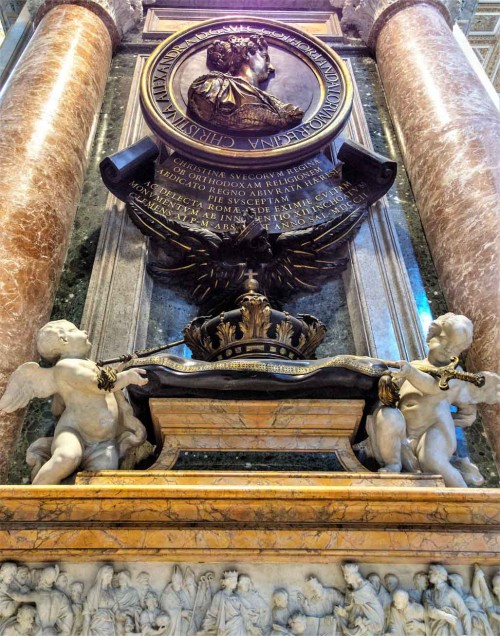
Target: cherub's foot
x=390, y=468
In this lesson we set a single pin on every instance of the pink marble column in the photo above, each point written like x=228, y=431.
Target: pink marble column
x=449, y=132
x=47, y=113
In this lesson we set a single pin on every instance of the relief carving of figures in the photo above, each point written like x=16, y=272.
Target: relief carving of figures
x=447, y=613
x=280, y=612
x=363, y=614
x=149, y=615
x=76, y=595
x=297, y=625
x=418, y=430
x=320, y=602
x=143, y=587
x=96, y=425
x=382, y=594
x=129, y=604
x=53, y=607
x=421, y=583
x=23, y=624
x=62, y=583
x=229, y=96
x=479, y=618
x=405, y=618
x=8, y=584
x=177, y=601
x=22, y=581
x=490, y=601
x=440, y=604
x=224, y=616
x=253, y=607
x=100, y=606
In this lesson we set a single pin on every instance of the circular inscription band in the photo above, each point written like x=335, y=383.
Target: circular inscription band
x=307, y=75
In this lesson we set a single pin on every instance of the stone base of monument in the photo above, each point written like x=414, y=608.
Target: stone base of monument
x=326, y=426
x=251, y=518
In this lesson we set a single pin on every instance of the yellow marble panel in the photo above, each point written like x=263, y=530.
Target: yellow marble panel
x=289, y=522
x=256, y=425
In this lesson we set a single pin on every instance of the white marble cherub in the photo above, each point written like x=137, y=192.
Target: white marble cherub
x=420, y=432
x=96, y=425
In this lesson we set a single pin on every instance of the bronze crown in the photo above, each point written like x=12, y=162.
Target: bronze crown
x=254, y=330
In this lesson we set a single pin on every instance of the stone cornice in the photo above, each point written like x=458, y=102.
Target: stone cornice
x=119, y=16
x=369, y=16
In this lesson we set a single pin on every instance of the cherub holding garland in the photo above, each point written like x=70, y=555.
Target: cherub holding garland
x=96, y=424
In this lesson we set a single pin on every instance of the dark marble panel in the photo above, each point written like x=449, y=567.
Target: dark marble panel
x=171, y=310
x=229, y=460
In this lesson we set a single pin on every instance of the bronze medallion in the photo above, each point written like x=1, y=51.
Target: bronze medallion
x=243, y=93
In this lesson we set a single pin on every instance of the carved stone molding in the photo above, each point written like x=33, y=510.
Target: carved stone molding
x=118, y=15
x=267, y=518
x=369, y=16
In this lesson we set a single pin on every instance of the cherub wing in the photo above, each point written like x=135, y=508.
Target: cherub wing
x=302, y=256
x=192, y=254
x=28, y=381
x=489, y=393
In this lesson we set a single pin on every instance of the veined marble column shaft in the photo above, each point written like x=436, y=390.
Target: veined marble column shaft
x=47, y=113
x=449, y=131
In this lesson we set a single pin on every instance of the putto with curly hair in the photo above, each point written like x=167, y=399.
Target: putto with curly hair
x=96, y=426
x=416, y=430
x=229, y=95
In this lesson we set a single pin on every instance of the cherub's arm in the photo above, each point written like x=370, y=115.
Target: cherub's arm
x=82, y=377
x=420, y=380
x=489, y=393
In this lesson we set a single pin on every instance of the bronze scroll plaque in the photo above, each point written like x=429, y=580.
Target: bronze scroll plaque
x=294, y=197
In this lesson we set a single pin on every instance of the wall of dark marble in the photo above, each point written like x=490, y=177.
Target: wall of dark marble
x=170, y=310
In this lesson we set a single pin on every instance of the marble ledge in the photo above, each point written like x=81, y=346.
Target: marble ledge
x=214, y=544
x=288, y=522
x=250, y=505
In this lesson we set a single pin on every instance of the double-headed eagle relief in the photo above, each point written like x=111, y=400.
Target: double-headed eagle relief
x=214, y=266
x=229, y=96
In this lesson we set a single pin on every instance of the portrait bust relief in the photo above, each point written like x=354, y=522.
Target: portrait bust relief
x=210, y=93
x=229, y=95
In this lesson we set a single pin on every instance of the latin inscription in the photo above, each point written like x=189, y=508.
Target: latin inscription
x=296, y=196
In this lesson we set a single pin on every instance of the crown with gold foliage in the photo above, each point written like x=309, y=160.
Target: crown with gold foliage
x=254, y=330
